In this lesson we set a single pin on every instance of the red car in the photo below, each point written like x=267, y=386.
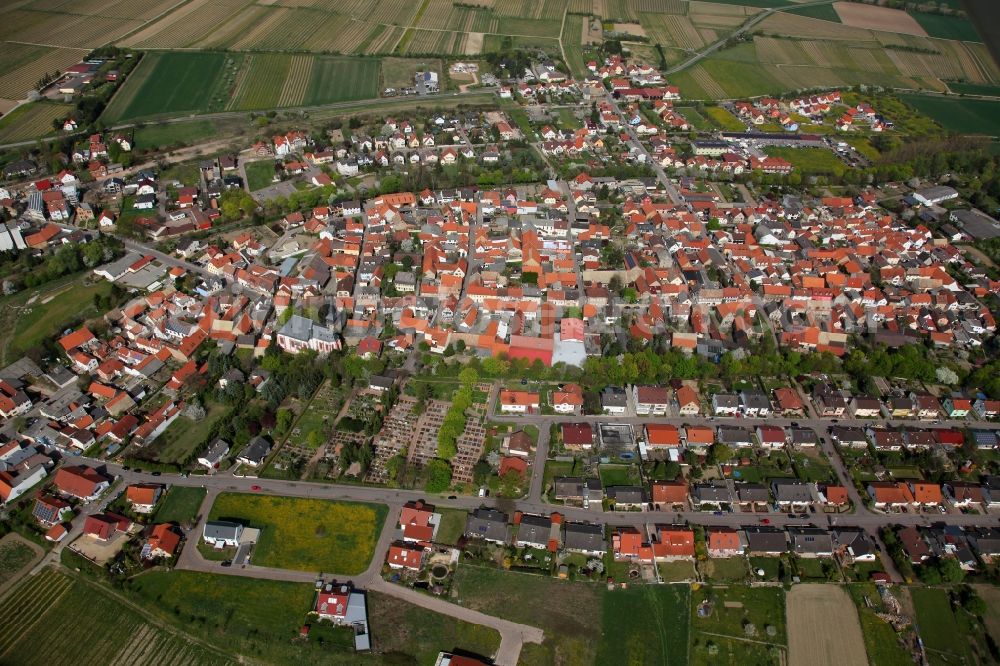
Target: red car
x=765, y=521
x=255, y=488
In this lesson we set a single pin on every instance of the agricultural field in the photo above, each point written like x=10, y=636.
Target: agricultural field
x=103, y=629
x=166, y=135
x=30, y=121
x=823, y=627
x=733, y=627
x=52, y=310
x=181, y=505
x=947, y=27
x=15, y=555
x=966, y=116
x=172, y=84
x=307, y=534
x=723, y=119
x=21, y=66
x=646, y=624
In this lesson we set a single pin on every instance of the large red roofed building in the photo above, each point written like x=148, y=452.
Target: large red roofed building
x=331, y=602
x=163, y=541
x=77, y=338
x=577, y=435
x=105, y=526
x=80, y=481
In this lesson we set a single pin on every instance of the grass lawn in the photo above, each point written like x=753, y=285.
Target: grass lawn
x=187, y=173
x=14, y=556
x=404, y=629
x=56, y=307
x=809, y=160
x=165, y=135
x=452, y=526
x=180, y=505
x=974, y=89
x=722, y=119
x=259, y=174
x=618, y=475
x=731, y=607
x=970, y=116
x=104, y=630
x=645, y=624
x=694, y=117
x=770, y=565
x=676, y=571
x=399, y=72
x=881, y=642
x=725, y=569
x=307, y=534
x=568, y=120
x=184, y=437
x=811, y=568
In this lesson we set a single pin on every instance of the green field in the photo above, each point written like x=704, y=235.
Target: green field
x=950, y=636
x=452, y=526
x=180, y=505
x=584, y=623
x=723, y=119
x=725, y=569
x=55, y=306
x=342, y=80
x=103, y=630
x=966, y=116
x=645, y=624
x=810, y=161
x=974, y=89
x=184, y=437
x=947, y=27
x=824, y=12
x=32, y=120
x=259, y=174
x=720, y=638
x=765, y=4
x=574, y=50
x=695, y=117
x=260, y=619
x=618, y=475
x=307, y=534
x=165, y=135
x=170, y=83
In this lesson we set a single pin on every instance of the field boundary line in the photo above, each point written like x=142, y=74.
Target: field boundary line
x=49, y=46
x=744, y=639
x=156, y=18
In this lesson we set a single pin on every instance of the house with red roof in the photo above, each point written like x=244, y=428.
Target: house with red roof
x=673, y=542
x=890, y=494
x=77, y=338
x=163, y=541
x=518, y=402
x=568, y=400
x=81, y=482
x=513, y=464
x=419, y=522
x=662, y=436
x=405, y=556
x=577, y=436
x=143, y=496
x=104, y=526
x=668, y=494
x=723, y=542
x=627, y=543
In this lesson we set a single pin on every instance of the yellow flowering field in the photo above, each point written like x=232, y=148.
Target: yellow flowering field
x=306, y=534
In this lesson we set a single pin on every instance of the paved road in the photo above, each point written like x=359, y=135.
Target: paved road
x=661, y=175
x=535, y=489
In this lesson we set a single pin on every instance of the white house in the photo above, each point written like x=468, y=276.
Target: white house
x=220, y=533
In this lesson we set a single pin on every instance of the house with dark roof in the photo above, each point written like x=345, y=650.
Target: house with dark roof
x=576, y=436
x=854, y=545
x=710, y=495
x=487, y=524
x=533, y=531
x=254, y=453
x=763, y=540
x=584, y=538
x=811, y=542
x=627, y=497
x=792, y=494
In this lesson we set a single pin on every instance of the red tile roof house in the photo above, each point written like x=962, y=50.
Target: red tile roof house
x=143, y=496
x=662, y=436
x=688, y=403
x=332, y=604
x=569, y=400
x=771, y=437
x=518, y=402
x=162, y=542
x=104, y=526
x=888, y=494
x=835, y=496
x=627, y=543
x=405, y=556
x=667, y=494
x=673, y=543
x=723, y=542
x=81, y=482
x=513, y=464
x=577, y=436
x=419, y=522
x=50, y=510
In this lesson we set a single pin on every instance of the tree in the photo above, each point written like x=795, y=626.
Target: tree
x=438, y=476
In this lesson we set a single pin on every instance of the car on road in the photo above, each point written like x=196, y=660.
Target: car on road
x=125, y=468
x=255, y=488
x=157, y=473
x=137, y=470
x=227, y=563
x=718, y=513
x=452, y=496
x=834, y=420
x=792, y=515
x=765, y=521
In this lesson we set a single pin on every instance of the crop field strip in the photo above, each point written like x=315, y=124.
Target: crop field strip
x=31, y=121
x=21, y=66
x=27, y=604
x=102, y=630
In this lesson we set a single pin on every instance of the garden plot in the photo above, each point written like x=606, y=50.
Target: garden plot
x=823, y=627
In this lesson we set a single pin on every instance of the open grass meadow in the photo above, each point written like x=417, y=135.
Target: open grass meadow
x=809, y=161
x=53, y=307
x=452, y=525
x=173, y=83
x=260, y=174
x=965, y=116
x=950, y=636
x=103, y=629
x=14, y=556
x=400, y=628
x=30, y=121
x=584, y=623
x=307, y=534
x=180, y=505
x=168, y=135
